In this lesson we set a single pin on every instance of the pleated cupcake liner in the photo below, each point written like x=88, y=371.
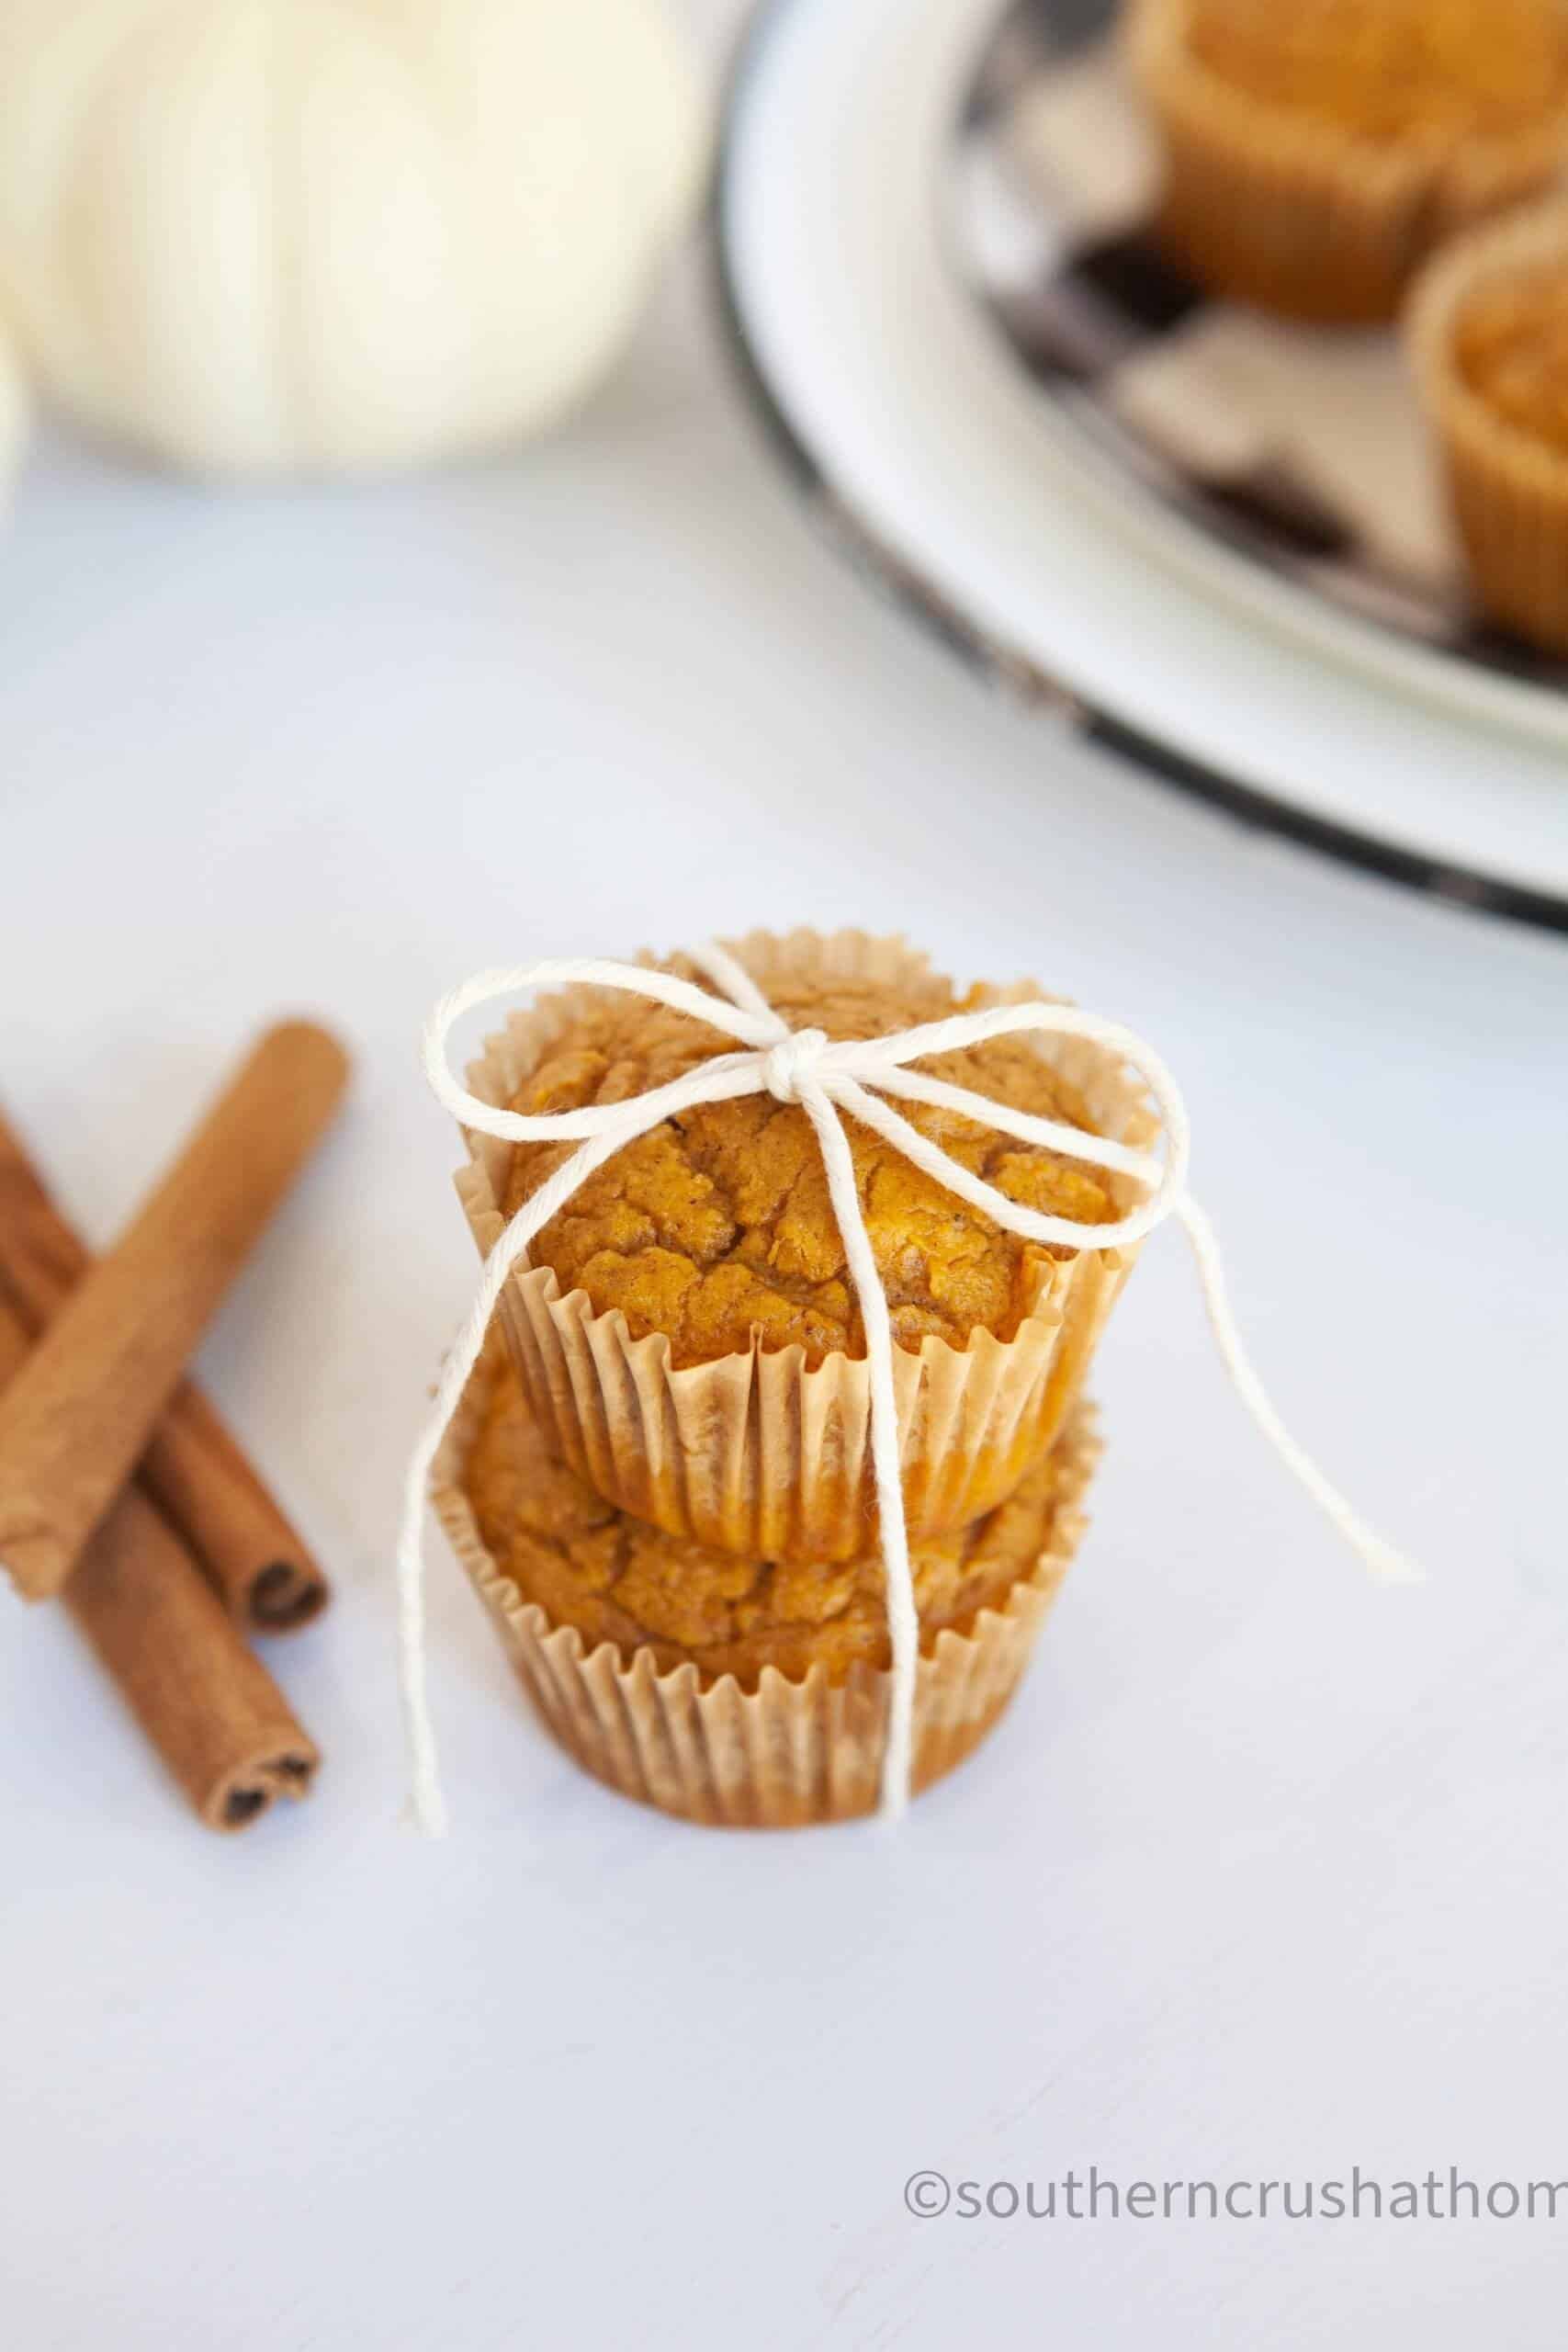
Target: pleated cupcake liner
x=790, y=1753
x=1509, y=491
x=759, y=1452
x=1296, y=215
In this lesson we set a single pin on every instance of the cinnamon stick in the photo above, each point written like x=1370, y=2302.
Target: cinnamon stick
x=82, y=1410
x=193, y=1468
x=211, y=1710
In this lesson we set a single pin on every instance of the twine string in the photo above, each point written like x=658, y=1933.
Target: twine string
x=828, y=1078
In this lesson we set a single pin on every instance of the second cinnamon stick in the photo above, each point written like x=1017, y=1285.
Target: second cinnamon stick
x=194, y=1467
x=212, y=1710
x=76, y=1419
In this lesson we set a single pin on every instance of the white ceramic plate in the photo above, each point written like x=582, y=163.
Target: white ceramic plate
x=920, y=443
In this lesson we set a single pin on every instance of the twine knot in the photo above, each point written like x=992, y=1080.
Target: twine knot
x=794, y=1057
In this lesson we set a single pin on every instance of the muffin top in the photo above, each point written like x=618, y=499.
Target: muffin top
x=618, y=1579
x=1510, y=344
x=716, y=1228
x=1436, y=70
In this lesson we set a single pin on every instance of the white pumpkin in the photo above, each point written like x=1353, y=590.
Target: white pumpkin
x=270, y=236
x=14, y=419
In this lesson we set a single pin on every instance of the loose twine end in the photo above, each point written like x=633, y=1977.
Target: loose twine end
x=1389, y=1566
x=425, y=1811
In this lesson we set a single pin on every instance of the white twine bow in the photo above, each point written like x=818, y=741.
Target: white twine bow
x=827, y=1077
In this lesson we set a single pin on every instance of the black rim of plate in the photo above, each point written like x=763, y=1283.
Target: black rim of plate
x=1019, y=675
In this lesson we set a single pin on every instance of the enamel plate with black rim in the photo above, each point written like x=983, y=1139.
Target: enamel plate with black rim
x=1213, y=541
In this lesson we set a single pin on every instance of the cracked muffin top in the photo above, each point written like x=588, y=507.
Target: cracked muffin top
x=1510, y=343
x=618, y=1579
x=1441, y=69
x=716, y=1228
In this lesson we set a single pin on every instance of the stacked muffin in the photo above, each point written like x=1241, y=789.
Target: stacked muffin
x=664, y=1490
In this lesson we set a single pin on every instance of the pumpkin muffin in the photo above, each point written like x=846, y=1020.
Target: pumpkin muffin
x=1317, y=153
x=617, y=1579
x=1488, y=333
x=741, y=1690
x=685, y=1330
x=1510, y=346
x=716, y=1228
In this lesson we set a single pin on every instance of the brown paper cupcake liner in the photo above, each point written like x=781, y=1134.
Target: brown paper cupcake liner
x=1509, y=491
x=1278, y=210
x=757, y=1452
x=789, y=1753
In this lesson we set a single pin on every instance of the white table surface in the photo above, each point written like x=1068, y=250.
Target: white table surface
x=1264, y=1875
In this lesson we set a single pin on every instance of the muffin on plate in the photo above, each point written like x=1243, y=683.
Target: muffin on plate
x=1488, y=333
x=685, y=1330
x=1317, y=152
x=737, y=1691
